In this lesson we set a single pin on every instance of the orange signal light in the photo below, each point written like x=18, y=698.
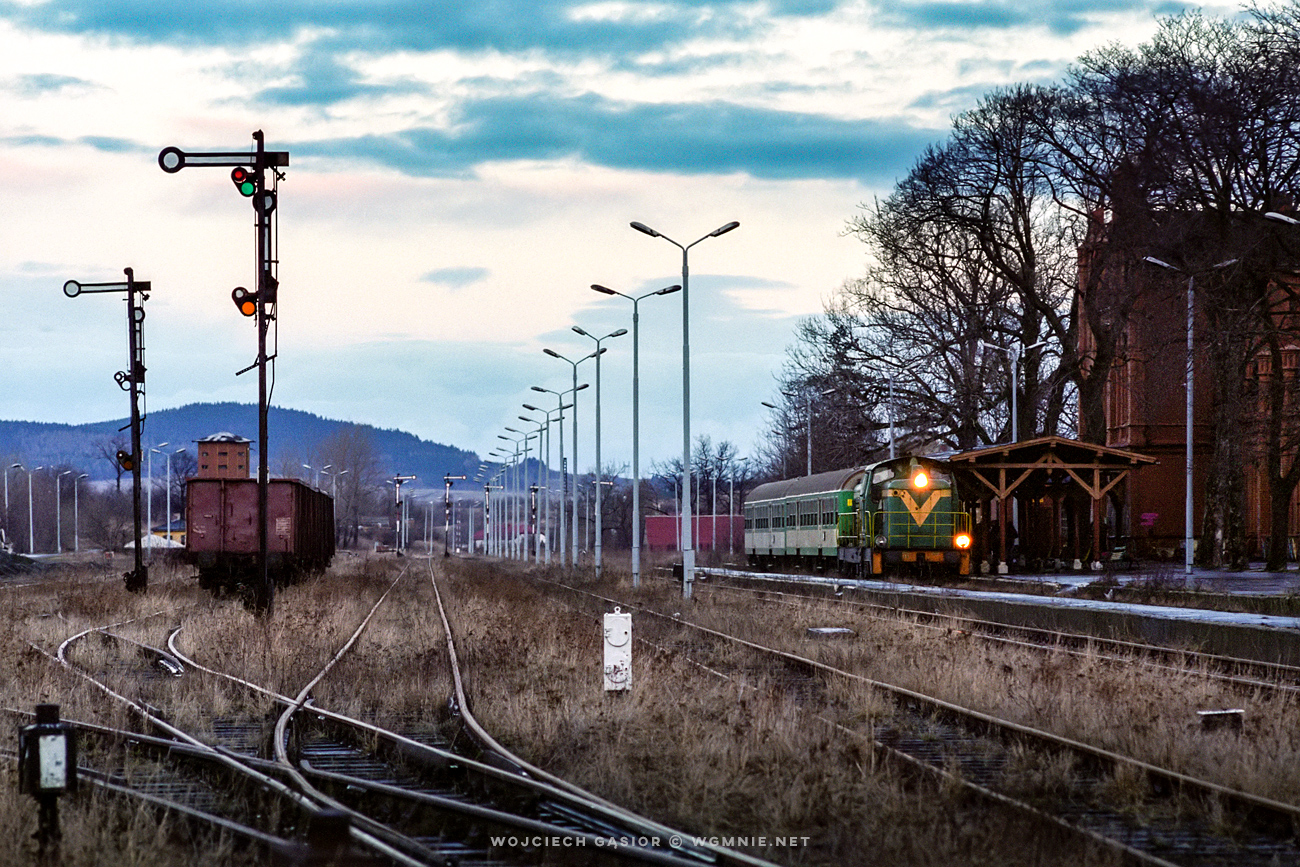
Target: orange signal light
x=246, y=301
x=961, y=540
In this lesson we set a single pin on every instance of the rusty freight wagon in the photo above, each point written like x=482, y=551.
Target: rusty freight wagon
x=221, y=517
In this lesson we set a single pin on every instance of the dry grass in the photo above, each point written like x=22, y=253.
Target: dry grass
x=716, y=758
x=1133, y=710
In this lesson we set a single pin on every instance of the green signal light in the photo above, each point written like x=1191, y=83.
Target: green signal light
x=244, y=181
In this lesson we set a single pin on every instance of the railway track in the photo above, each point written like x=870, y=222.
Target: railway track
x=1246, y=675
x=376, y=795
x=1168, y=818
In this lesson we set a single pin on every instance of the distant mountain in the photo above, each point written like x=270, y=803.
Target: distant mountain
x=293, y=434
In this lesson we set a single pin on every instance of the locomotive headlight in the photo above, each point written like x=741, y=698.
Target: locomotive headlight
x=882, y=541
x=961, y=540
x=920, y=481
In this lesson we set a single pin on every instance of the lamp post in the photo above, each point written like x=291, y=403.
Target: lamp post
x=1014, y=356
x=636, y=417
x=561, y=406
x=573, y=554
x=688, y=548
x=149, y=489
x=1187, y=482
x=58, y=509
x=731, y=508
x=169, y=487
x=541, y=425
x=599, y=525
x=526, y=500
x=76, y=512
x=31, y=525
x=446, y=512
x=558, y=414
x=515, y=471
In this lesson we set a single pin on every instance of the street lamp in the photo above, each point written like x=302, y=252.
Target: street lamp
x=58, y=509
x=31, y=525
x=1013, y=355
x=1187, y=483
x=169, y=487
x=76, y=512
x=564, y=475
x=447, y=479
x=688, y=547
x=149, y=488
x=636, y=417
x=532, y=506
x=599, y=524
x=515, y=472
x=573, y=554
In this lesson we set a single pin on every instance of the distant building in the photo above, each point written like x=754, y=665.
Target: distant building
x=223, y=456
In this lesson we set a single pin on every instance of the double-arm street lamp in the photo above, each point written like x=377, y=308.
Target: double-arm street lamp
x=573, y=554
x=534, y=513
x=688, y=545
x=599, y=524
x=76, y=511
x=1013, y=354
x=31, y=524
x=1187, y=483
x=561, y=406
x=636, y=417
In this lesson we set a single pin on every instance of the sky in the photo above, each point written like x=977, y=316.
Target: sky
x=459, y=175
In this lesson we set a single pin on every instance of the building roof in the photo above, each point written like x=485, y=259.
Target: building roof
x=223, y=437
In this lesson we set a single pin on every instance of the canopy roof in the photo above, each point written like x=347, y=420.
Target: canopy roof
x=1048, y=461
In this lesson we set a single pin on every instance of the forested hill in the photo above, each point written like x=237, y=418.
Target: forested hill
x=294, y=437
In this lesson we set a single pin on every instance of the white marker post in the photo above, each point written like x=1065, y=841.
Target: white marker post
x=618, y=651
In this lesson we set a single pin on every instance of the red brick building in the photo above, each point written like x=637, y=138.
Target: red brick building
x=223, y=456
x=1146, y=412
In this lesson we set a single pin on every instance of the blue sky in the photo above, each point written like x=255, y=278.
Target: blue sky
x=459, y=175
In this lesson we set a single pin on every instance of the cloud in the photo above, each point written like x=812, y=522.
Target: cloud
x=694, y=138
x=560, y=26
x=456, y=278
x=1061, y=17
x=45, y=84
x=319, y=79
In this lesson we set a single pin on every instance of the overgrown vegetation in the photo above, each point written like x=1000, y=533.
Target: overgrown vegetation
x=752, y=756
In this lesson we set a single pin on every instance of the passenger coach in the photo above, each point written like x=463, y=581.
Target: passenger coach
x=897, y=515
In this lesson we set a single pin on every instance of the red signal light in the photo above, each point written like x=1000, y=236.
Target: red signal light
x=244, y=181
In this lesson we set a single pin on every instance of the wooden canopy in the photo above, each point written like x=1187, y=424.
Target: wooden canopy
x=1047, y=467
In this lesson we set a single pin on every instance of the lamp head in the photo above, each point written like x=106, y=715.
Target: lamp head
x=602, y=289
x=668, y=290
x=552, y=353
x=722, y=230
x=578, y=330
x=642, y=227
x=619, y=333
